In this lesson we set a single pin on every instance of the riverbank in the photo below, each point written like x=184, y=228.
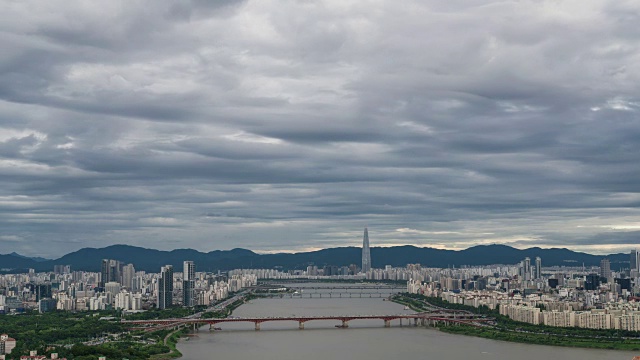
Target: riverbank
x=505, y=329
x=407, y=303
x=172, y=339
x=543, y=339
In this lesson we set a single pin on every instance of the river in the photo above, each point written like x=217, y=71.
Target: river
x=363, y=340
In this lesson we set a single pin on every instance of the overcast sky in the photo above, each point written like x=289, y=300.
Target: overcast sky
x=289, y=125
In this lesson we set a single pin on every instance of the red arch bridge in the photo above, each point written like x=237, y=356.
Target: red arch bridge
x=424, y=319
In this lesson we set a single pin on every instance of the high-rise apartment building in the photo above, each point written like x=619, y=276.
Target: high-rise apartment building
x=525, y=269
x=605, y=269
x=634, y=260
x=111, y=270
x=165, y=287
x=128, y=273
x=538, y=269
x=61, y=269
x=366, y=253
x=189, y=284
x=42, y=291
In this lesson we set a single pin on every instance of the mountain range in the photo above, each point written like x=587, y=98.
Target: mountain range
x=150, y=260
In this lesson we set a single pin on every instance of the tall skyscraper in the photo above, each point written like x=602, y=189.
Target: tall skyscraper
x=104, y=273
x=538, y=268
x=633, y=263
x=189, y=284
x=527, y=268
x=366, y=253
x=111, y=270
x=165, y=287
x=128, y=273
x=605, y=268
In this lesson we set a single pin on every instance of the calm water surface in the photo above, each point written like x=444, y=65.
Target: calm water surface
x=364, y=340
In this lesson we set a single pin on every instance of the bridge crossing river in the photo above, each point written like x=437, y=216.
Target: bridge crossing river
x=329, y=291
x=426, y=318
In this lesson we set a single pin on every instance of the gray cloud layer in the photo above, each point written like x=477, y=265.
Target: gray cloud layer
x=290, y=125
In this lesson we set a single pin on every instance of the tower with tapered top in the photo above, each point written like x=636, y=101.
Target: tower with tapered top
x=366, y=253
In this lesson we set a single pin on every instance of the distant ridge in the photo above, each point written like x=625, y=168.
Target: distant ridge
x=151, y=260
x=38, y=259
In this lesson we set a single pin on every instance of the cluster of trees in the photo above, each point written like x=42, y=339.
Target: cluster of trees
x=65, y=333
x=114, y=350
x=34, y=331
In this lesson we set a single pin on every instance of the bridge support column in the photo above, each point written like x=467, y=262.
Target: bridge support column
x=345, y=323
x=387, y=323
x=301, y=325
x=415, y=322
x=400, y=321
x=257, y=326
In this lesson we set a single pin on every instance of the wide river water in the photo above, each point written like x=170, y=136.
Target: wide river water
x=363, y=340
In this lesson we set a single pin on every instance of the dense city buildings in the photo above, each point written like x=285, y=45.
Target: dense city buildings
x=594, y=297
x=137, y=291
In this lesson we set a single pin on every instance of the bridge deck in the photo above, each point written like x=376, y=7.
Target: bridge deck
x=418, y=316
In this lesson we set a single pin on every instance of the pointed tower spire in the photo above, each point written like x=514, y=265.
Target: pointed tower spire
x=366, y=254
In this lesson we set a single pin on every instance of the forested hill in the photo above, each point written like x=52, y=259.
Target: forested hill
x=151, y=260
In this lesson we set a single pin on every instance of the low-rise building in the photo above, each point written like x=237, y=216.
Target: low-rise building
x=6, y=344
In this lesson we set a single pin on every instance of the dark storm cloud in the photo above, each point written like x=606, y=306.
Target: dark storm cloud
x=291, y=125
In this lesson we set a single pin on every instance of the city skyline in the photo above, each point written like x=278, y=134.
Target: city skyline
x=229, y=124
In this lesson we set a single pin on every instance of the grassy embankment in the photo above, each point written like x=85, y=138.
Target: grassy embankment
x=171, y=341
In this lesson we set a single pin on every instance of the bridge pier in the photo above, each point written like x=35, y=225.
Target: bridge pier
x=257, y=326
x=387, y=323
x=301, y=325
x=400, y=321
x=415, y=322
